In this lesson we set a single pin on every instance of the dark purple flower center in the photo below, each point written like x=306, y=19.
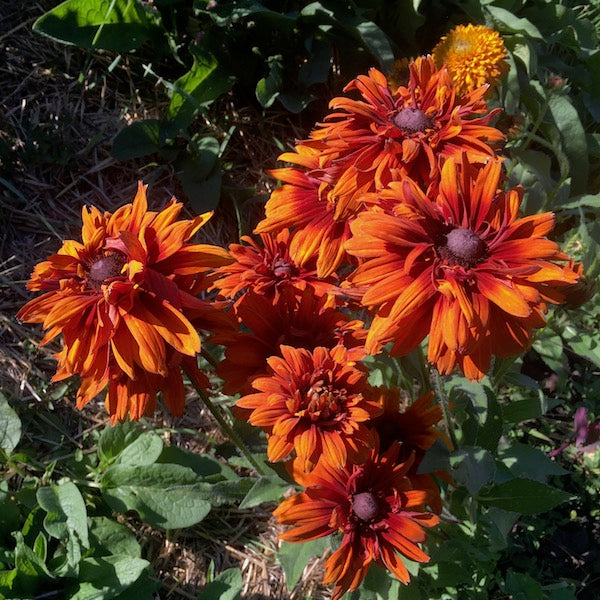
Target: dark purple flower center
x=411, y=120
x=364, y=506
x=106, y=267
x=283, y=269
x=463, y=247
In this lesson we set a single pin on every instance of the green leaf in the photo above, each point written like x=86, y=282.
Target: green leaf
x=585, y=345
x=200, y=174
x=106, y=578
x=507, y=21
x=522, y=586
x=226, y=586
x=473, y=467
x=108, y=537
x=205, y=466
x=268, y=88
x=517, y=411
x=10, y=426
x=529, y=462
x=144, y=450
x=376, y=41
x=198, y=88
x=524, y=496
x=67, y=516
x=164, y=495
x=572, y=135
x=115, y=438
x=32, y=573
x=294, y=558
x=550, y=347
x=266, y=489
x=118, y=25
x=136, y=140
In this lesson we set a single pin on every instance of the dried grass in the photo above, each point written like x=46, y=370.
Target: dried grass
x=62, y=129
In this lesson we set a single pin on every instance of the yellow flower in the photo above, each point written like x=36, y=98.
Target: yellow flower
x=474, y=55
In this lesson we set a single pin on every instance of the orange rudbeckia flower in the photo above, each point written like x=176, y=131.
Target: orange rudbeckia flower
x=124, y=299
x=389, y=134
x=266, y=269
x=305, y=202
x=312, y=404
x=463, y=269
x=373, y=505
x=301, y=322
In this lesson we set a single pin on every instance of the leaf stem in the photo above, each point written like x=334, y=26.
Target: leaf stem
x=439, y=386
x=226, y=428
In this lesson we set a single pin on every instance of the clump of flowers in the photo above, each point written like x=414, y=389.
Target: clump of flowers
x=125, y=301
x=474, y=55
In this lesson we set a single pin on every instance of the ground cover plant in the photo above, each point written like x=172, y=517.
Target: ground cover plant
x=368, y=370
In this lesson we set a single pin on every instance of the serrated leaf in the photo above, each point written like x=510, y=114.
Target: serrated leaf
x=294, y=558
x=107, y=537
x=118, y=25
x=164, y=495
x=225, y=586
x=524, y=496
x=10, y=426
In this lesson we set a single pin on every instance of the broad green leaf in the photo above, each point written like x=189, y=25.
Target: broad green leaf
x=118, y=25
x=266, y=489
x=573, y=137
x=522, y=586
x=437, y=458
x=268, y=88
x=103, y=578
x=225, y=586
x=529, y=462
x=507, y=21
x=198, y=88
x=205, y=466
x=115, y=438
x=294, y=558
x=201, y=178
x=550, y=347
x=108, y=537
x=10, y=426
x=136, y=140
x=473, y=467
x=164, y=495
x=376, y=41
x=32, y=573
x=516, y=411
x=524, y=496
x=144, y=450
x=584, y=344
x=67, y=516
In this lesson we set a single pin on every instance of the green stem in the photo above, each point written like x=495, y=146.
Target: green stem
x=425, y=374
x=227, y=428
x=444, y=404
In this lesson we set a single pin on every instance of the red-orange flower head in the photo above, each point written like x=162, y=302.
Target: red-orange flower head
x=373, y=505
x=306, y=204
x=312, y=403
x=122, y=300
x=414, y=428
x=463, y=269
x=266, y=270
x=389, y=134
x=302, y=322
